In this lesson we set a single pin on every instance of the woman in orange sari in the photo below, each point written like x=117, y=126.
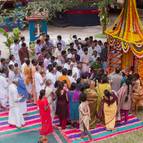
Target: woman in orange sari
x=45, y=115
x=100, y=88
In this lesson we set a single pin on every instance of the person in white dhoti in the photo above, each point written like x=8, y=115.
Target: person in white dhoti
x=15, y=116
x=85, y=61
x=50, y=75
x=50, y=95
x=11, y=74
x=3, y=89
x=39, y=82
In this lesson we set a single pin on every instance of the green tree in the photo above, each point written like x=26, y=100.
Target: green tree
x=50, y=7
x=10, y=37
x=104, y=15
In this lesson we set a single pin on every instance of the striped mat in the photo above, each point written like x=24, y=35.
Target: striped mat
x=71, y=135
x=32, y=120
x=100, y=133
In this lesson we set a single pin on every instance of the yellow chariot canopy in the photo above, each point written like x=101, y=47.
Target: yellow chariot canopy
x=128, y=29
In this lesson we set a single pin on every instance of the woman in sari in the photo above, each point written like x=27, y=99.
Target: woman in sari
x=124, y=100
x=45, y=115
x=100, y=88
x=62, y=105
x=73, y=96
x=92, y=101
x=110, y=109
x=137, y=96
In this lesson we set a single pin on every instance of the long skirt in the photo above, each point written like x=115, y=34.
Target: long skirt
x=110, y=115
x=74, y=113
x=46, y=128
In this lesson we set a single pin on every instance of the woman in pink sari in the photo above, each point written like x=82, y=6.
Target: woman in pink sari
x=45, y=115
x=124, y=100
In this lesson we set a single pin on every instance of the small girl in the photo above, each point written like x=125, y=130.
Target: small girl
x=84, y=116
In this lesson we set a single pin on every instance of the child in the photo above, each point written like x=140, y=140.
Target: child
x=84, y=116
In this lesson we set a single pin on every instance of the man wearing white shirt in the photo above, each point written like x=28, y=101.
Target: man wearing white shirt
x=15, y=51
x=59, y=40
x=48, y=42
x=12, y=60
x=90, y=51
x=57, y=52
x=67, y=64
x=50, y=75
x=58, y=72
x=39, y=82
x=46, y=61
x=97, y=47
x=72, y=80
x=94, y=57
x=75, y=72
x=11, y=74
x=38, y=47
x=15, y=116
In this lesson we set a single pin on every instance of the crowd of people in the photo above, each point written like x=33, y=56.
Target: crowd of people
x=69, y=81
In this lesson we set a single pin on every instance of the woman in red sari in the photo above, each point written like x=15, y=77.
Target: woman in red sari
x=45, y=115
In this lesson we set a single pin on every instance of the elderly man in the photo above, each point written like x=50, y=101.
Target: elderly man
x=15, y=116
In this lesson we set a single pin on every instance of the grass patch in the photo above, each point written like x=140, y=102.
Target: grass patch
x=100, y=35
x=132, y=137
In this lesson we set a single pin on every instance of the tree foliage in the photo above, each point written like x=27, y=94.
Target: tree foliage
x=51, y=7
x=104, y=15
x=54, y=6
x=15, y=35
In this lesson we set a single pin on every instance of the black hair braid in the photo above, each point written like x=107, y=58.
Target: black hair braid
x=127, y=98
